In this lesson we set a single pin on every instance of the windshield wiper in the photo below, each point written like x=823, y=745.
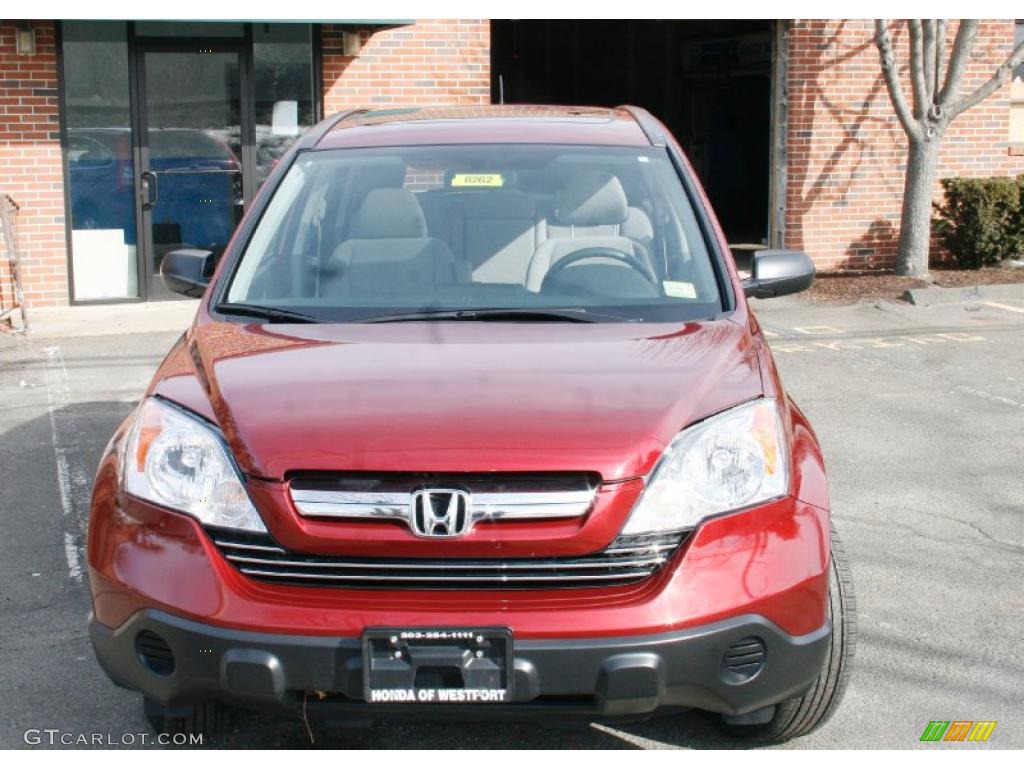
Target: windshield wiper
x=572, y=315
x=271, y=314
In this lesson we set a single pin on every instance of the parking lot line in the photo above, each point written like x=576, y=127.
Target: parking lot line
x=58, y=396
x=1007, y=307
x=796, y=344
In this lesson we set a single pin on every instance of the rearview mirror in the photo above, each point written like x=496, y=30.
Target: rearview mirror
x=187, y=271
x=777, y=273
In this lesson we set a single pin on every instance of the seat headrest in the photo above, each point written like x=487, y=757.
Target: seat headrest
x=637, y=225
x=499, y=204
x=592, y=198
x=389, y=213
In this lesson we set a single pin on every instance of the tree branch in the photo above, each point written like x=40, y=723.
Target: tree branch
x=892, y=80
x=940, y=53
x=917, y=73
x=929, y=62
x=993, y=84
x=962, y=46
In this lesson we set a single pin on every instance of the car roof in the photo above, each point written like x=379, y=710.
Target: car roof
x=496, y=124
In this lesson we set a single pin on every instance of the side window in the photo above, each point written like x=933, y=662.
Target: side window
x=309, y=226
x=266, y=245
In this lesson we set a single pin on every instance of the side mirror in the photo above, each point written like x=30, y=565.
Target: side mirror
x=777, y=273
x=187, y=271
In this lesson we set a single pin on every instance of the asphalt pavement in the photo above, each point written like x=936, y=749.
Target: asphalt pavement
x=919, y=411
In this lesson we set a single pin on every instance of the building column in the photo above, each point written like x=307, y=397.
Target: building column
x=431, y=62
x=30, y=165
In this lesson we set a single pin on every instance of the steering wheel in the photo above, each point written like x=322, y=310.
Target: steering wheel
x=606, y=252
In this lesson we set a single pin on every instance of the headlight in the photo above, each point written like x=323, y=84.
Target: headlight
x=175, y=460
x=729, y=461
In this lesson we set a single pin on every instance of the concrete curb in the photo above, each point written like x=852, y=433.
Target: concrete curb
x=112, y=319
x=924, y=297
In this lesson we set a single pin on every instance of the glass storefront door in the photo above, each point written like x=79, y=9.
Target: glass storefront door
x=191, y=127
x=169, y=129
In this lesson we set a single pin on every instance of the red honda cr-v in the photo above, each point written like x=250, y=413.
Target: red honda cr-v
x=474, y=420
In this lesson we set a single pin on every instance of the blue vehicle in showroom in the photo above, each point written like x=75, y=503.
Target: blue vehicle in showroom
x=196, y=179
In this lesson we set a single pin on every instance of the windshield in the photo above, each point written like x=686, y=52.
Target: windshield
x=607, y=233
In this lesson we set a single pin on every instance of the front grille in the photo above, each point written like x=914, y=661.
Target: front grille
x=393, y=496
x=626, y=560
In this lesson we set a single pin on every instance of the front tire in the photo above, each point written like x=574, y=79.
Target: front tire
x=801, y=715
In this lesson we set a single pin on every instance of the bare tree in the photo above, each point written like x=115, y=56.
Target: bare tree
x=935, y=102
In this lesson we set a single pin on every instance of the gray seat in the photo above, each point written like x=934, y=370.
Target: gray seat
x=366, y=175
x=440, y=209
x=389, y=251
x=499, y=235
x=590, y=210
x=638, y=227
x=492, y=234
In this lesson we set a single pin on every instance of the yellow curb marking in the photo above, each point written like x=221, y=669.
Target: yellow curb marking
x=925, y=339
x=1007, y=307
x=961, y=336
x=818, y=330
x=880, y=343
x=835, y=346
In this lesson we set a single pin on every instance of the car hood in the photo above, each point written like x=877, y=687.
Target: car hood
x=458, y=396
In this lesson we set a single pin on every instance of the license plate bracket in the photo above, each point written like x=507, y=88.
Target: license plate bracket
x=442, y=665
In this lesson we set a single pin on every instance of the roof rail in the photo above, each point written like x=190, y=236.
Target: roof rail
x=312, y=137
x=652, y=129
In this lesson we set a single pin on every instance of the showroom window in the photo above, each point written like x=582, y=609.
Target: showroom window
x=283, y=87
x=98, y=153
x=169, y=130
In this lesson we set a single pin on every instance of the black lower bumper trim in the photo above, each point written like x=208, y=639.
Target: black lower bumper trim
x=621, y=676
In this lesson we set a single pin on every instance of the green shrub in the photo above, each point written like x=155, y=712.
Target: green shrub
x=1017, y=226
x=982, y=220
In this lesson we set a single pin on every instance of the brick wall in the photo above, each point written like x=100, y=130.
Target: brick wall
x=433, y=61
x=30, y=166
x=429, y=62
x=847, y=150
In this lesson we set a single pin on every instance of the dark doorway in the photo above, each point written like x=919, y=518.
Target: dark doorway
x=708, y=81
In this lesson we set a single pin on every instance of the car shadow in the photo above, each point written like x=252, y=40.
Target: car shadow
x=693, y=730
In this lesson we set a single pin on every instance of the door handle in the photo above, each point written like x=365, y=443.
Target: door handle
x=150, y=190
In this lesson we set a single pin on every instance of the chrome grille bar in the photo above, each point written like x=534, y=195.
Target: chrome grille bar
x=351, y=505
x=477, y=565
x=369, y=505
x=253, y=547
x=641, y=548
x=525, y=506
x=476, y=579
x=626, y=560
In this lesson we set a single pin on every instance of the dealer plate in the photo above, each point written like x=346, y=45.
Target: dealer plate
x=442, y=665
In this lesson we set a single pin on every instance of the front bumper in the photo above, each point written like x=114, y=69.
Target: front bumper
x=769, y=561
x=627, y=676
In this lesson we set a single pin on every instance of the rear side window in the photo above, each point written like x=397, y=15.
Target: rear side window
x=354, y=233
